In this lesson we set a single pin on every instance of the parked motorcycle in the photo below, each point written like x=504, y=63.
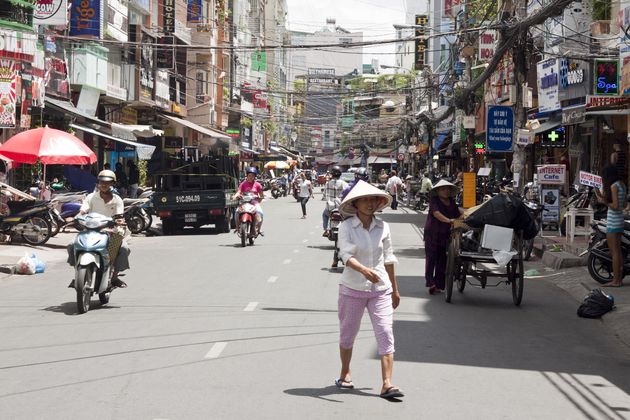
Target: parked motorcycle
x=63, y=208
x=92, y=260
x=247, y=227
x=278, y=187
x=536, y=209
x=136, y=217
x=28, y=220
x=333, y=227
x=421, y=201
x=599, y=261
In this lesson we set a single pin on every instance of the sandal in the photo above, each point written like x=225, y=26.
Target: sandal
x=119, y=283
x=343, y=384
x=392, y=392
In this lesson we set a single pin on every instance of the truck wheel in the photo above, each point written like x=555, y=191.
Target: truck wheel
x=225, y=225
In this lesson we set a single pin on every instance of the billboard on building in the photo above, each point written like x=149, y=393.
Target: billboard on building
x=50, y=12
x=7, y=93
x=548, y=85
x=421, y=43
x=85, y=18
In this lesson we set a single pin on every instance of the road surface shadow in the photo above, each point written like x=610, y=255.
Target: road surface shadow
x=413, y=218
x=70, y=308
x=329, y=391
x=410, y=252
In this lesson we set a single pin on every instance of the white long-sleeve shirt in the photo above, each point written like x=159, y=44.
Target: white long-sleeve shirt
x=371, y=247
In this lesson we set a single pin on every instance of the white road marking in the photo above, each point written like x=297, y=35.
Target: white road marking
x=216, y=350
x=305, y=241
x=272, y=279
x=250, y=306
x=287, y=261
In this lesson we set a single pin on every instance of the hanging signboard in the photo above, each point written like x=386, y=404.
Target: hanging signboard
x=573, y=115
x=165, y=56
x=470, y=190
x=487, y=44
x=590, y=180
x=524, y=137
x=553, y=138
x=606, y=77
x=548, y=85
x=421, y=43
x=551, y=202
x=7, y=94
x=50, y=12
x=85, y=18
x=168, y=17
x=551, y=174
x=499, y=129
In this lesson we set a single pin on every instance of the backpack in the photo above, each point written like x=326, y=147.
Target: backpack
x=596, y=304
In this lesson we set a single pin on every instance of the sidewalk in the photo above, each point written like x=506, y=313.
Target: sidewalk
x=52, y=252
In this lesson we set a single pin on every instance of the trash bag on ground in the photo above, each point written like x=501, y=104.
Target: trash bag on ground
x=25, y=265
x=596, y=304
x=40, y=266
x=506, y=211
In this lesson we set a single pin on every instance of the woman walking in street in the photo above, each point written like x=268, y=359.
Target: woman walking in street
x=613, y=194
x=368, y=281
x=442, y=212
x=306, y=192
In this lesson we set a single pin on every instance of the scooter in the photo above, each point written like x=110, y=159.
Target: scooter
x=599, y=261
x=136, y=216
x=93, y=264
x=421, y=201
x=247, y=226
x=63, y=209
x=278, y=187
x=28, y=220
x=334, y=221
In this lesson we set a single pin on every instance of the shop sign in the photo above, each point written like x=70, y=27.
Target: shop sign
x=590, y=179
x=551, y=203
x=162, y=90
x=50, y=12
x=480, y=148
x=469, y=122
x=548, y=85
x=487, y=44
x=129, y=116
x=85, y=18
x=260, y=99
x=470, y=190
x=233, y=132
x=421, y=42
x=147, y=75
x=553, y=138
x=575, y=115
x=168, y=16
x=117, y=92
x=17, y=45
x=117, y=20
x=624, y=58
x=551, y=174
x=8, y=79
x=165, y=57
x=195, y=11
x=594, y=101
x=499, y=128
x=524, y=137
x=606, y=77
x=176, y=108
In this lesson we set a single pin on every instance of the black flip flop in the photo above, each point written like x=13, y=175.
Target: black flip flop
x=119, y=284
x=392, y=392
x=341, y=384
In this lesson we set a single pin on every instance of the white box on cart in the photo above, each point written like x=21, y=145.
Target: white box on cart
x=497, y=238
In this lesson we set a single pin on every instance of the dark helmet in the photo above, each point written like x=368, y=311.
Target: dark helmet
x=362, y=173
x=335, y=171
x=251, y=170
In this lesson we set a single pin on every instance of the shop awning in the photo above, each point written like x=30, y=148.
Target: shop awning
x=612, y=112
x=441, y=138
x=380, y=160
x=203, y=130
x=546, y=126
x=67, y=106
x=280, y=149
x=246, y=150
x=131, y=132
x=144, y=151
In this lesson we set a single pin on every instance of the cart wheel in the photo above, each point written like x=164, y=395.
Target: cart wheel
x=461, y=277
x=517, y=277
x=452, y=265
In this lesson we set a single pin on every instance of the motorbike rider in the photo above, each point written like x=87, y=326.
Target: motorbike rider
x=332, y=193
x=360, y=174
x=103, y=201
x=250, y=185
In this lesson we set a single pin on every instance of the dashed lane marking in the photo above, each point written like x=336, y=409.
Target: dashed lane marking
x=304, y=241
x=272, y=279
x=216, y=350
x=250, y=306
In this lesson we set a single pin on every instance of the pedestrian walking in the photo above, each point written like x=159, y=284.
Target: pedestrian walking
x=613, y=194
x=442, y=212
x=368, y=282
x=306, y=192
x=134, y=179
x=393, y=187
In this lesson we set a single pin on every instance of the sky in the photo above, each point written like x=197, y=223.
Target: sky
x=372, y=17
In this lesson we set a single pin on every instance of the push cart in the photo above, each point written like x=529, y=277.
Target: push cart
x=461, y=265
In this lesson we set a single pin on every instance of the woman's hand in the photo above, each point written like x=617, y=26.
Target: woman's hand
x=371, y=275
x=395, y=299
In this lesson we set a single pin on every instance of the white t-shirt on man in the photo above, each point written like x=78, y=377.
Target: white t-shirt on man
x=93, y=203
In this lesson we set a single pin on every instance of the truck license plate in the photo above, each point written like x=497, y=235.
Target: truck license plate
x=190, y=217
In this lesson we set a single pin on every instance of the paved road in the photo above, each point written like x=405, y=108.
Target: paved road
x=208, y=330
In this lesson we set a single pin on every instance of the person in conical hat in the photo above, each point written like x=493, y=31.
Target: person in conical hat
x=368, y=281
x=442, y=212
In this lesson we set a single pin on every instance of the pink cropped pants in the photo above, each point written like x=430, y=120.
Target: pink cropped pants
x=352, y=304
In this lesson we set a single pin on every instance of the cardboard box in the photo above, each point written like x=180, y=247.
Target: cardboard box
x=497, y=238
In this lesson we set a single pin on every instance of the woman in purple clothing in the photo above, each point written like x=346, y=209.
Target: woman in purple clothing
x=442, y=211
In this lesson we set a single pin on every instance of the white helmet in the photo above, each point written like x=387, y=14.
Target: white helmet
x=107, y=175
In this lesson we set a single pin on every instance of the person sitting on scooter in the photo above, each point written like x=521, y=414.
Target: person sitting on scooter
x=250, y=185
x=332, y=192
x=103, y=201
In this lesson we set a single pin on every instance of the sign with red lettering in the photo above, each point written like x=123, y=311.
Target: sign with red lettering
x=487, y=44
x=591, y=180
x=552, y=174
x=50, y=12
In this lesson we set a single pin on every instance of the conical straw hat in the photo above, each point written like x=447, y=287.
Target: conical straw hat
x=363, y=189
x=444, y=183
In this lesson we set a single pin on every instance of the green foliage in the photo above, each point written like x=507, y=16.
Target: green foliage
x=143, y=171
x=246, y=122
x=601, y=9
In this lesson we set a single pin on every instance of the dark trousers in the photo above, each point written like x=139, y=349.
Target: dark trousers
x=394, y=201
x=435, y=265
x=303, y=201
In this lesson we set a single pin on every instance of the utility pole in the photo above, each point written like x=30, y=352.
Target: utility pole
x=520, y=56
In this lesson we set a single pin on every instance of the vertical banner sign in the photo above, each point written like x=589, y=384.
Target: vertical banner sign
x=50, y=12
x=168, y=17
x=499, y=129
x=470, y=189
x=421, y=42
x=165, y=58
x=85, y=18
x=607, y=77
x=551, y=203
x=7, y=94
x=195, y=14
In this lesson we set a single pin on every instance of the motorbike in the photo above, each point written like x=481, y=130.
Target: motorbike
x=421, y=201
x=63, y=208
x=136, y=217
x=28, y=220
x=599, y=262
x=247, y=226
x=92, y=260
x=296, y=191
x=536, y=209
x=278, y=187
x=334, y=221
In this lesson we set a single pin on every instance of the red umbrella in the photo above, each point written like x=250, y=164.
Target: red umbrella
x=49, y=146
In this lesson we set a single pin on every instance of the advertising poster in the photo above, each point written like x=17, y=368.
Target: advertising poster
x=606, y=77
x=7, y=94
x=85, y=18
x=551, y=202
x=499, y=128
x=50, y=12
x=548, y=85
